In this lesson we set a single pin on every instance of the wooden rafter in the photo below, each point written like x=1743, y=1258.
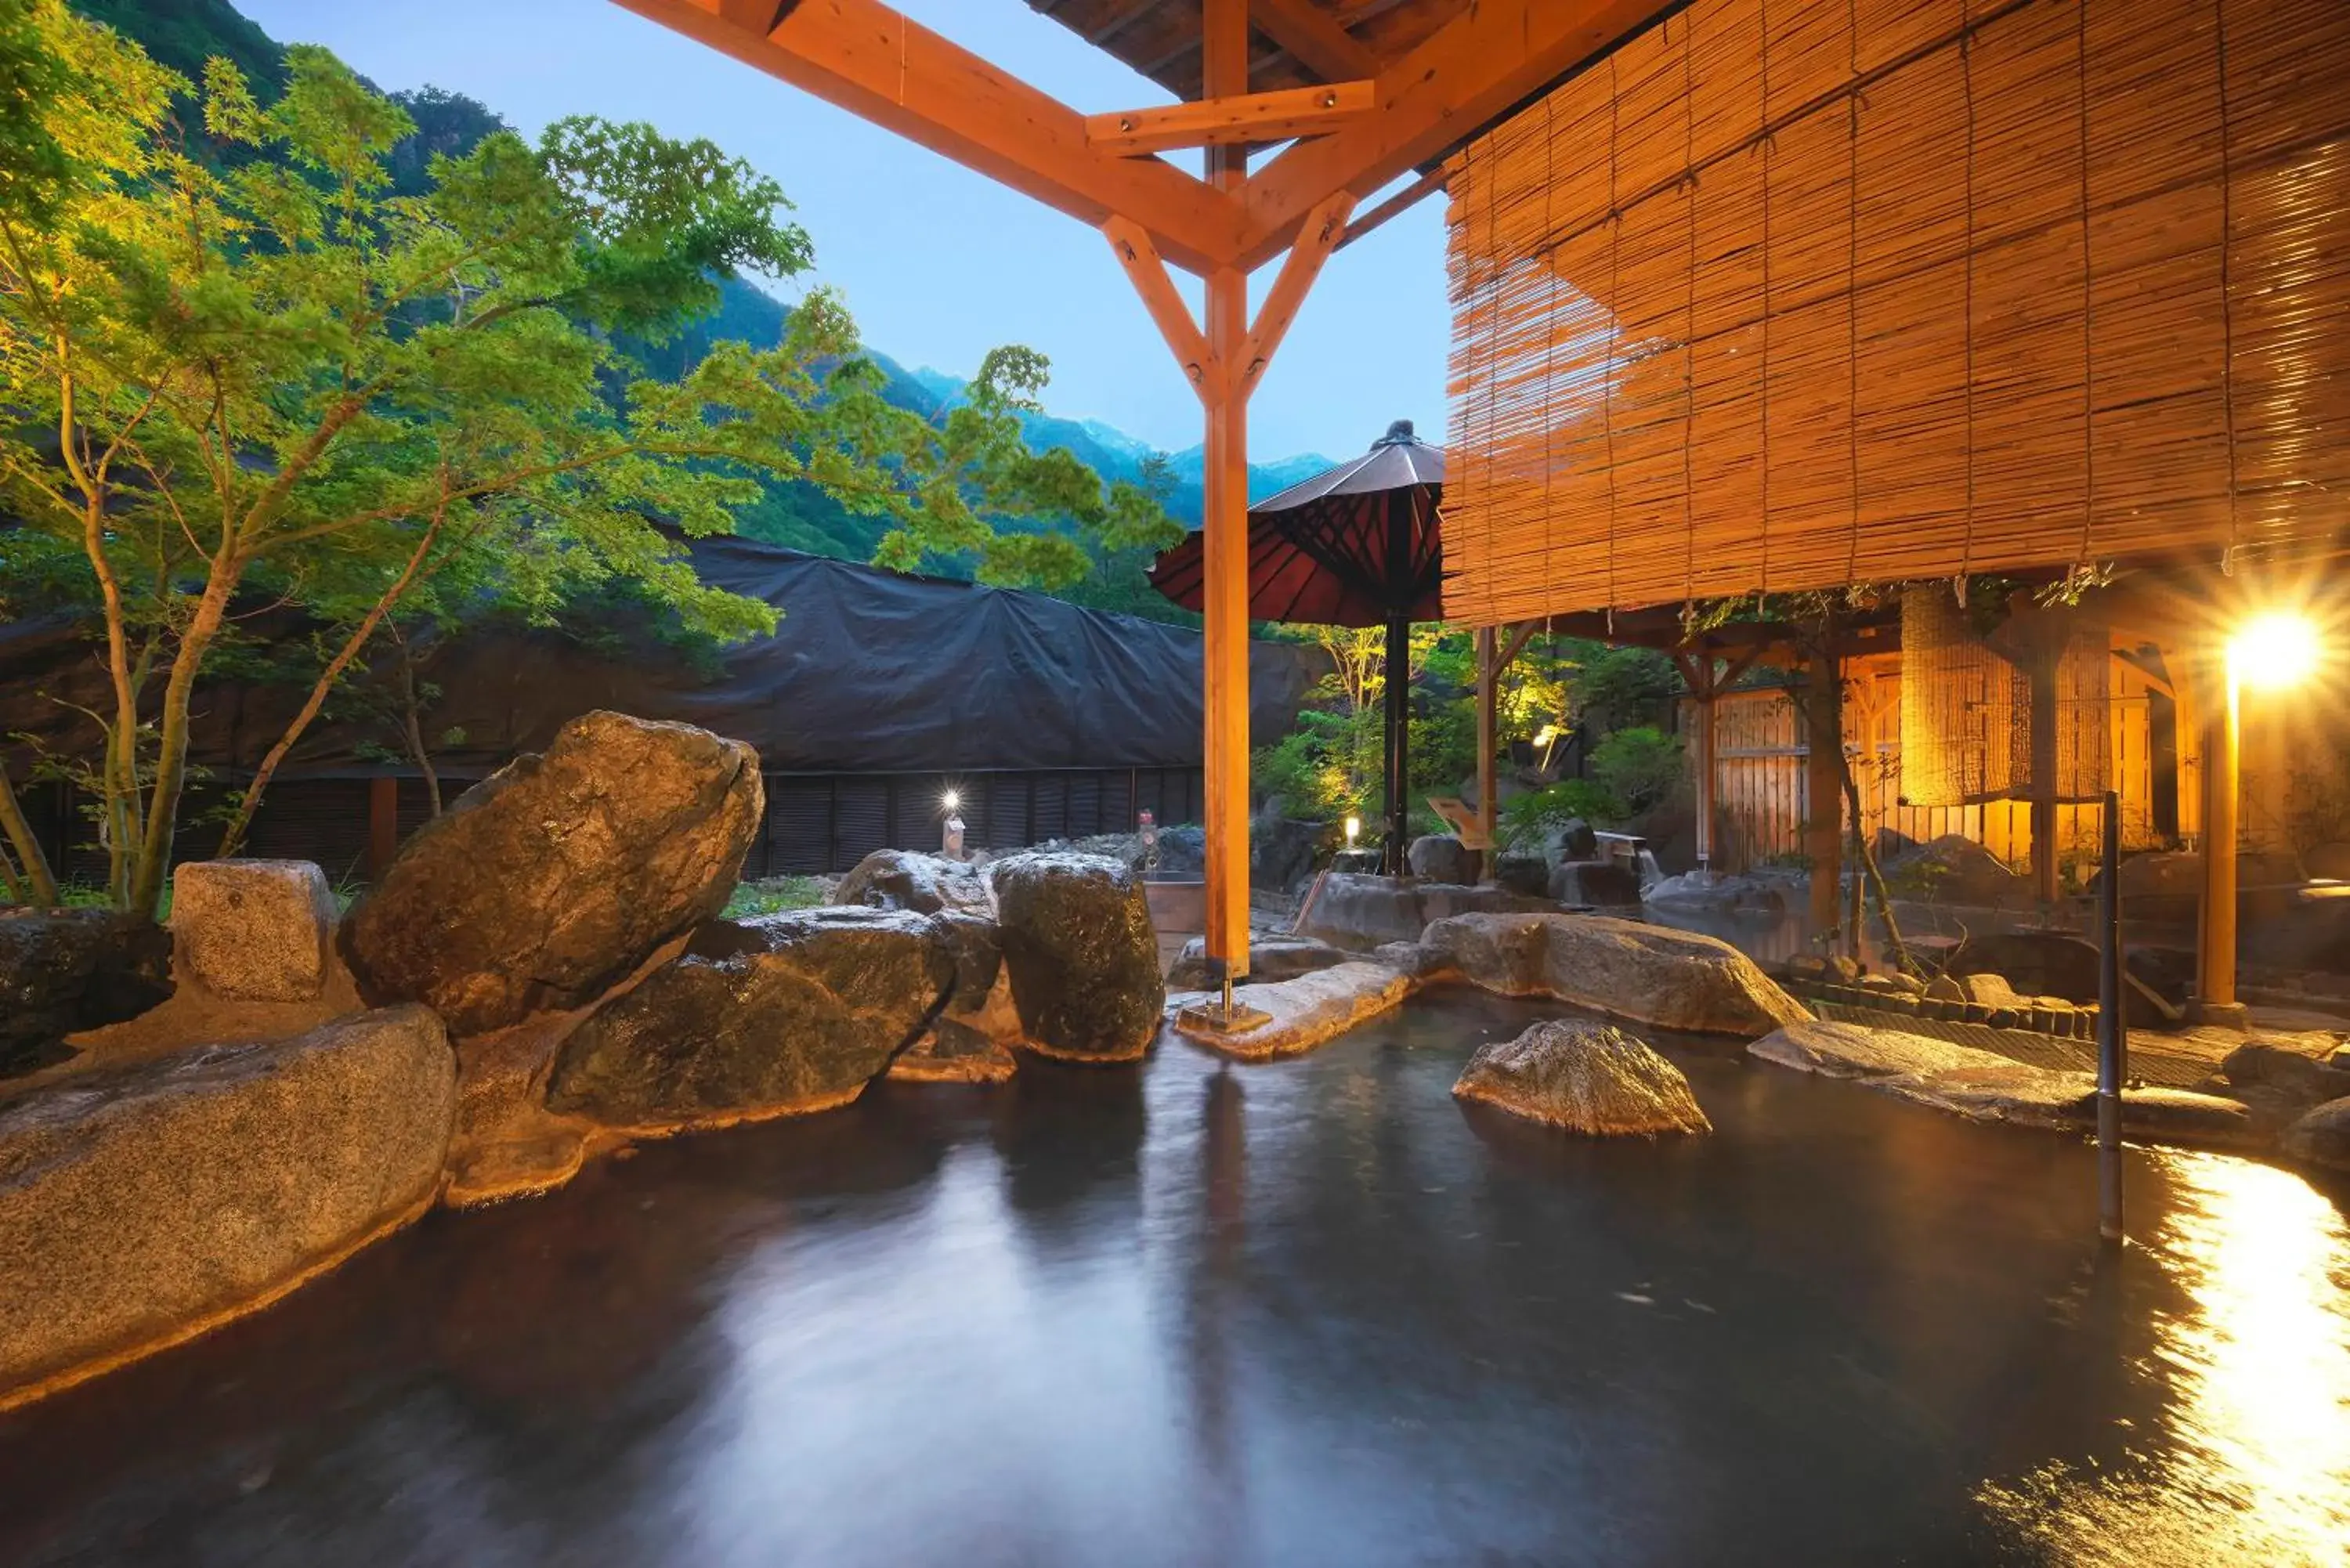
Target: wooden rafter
x=1395, y=206
x=1314, y=38
x=1470, y=70
x=1255, y=117
x=867, y=58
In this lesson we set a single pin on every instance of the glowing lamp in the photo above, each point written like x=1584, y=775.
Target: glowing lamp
x=2276, y=649
x=950, y=835
x=1354, y=829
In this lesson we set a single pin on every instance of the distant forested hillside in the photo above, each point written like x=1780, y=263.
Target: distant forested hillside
x=183, y=34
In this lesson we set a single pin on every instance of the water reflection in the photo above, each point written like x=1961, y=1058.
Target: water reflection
x=1229, y=1318
x=2251, y=1460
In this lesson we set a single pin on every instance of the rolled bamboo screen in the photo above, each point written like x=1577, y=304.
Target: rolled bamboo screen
x=1966, y=732
x=1784, y=294
x=2021, y=710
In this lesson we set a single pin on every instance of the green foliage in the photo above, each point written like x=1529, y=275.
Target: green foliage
x=773, y=896
x=1638, y=767
x=1527, y=819
x=277, y=374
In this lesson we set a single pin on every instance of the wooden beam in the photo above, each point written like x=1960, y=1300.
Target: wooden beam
x=1520, y=635
x=867, y=58
x=1314, y=39
x=1168, y=311
x=1256, y=116
x=1322, y=235
x=1489, y=743
x=1395, y=206
x=1470, y=71
x=1824, y=793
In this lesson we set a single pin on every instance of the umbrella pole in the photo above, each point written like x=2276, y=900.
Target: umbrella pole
x=1398, y=739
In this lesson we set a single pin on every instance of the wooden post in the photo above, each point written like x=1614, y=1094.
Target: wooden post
x=1488, y=731
x=1699, y=671
x=1224, y=72
x=383, y=826
x=2215, y=968
x=2043, y=685
x=1823, y=791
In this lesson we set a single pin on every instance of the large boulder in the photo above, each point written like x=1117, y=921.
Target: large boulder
x=1363, y=912
x=1083, y=956
x=1595, y=883
x=759, y=1018
x=1986, y=1086
x=1282, y=850
x=2282, y=1084
x=1302, y=1012
x=1525, y=874
x=2322, y=1135
x=971, y=1039
x=1440, y=858
x=253, y=930
x=551, y=880
x=905, y=879
x=67, y=969
x=1182, y=851
x=1585, y=1076
x=1270, y=959
x=1955, y=869
x=140, y=1205
x=1647, y=974
x=1717, y=894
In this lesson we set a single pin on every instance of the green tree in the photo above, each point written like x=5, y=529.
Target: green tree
x=283, y=378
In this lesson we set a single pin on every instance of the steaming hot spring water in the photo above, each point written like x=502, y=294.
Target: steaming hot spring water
x=1313, y=1312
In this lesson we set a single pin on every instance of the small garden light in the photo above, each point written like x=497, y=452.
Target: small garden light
x=1354, y=829
x=951, y=837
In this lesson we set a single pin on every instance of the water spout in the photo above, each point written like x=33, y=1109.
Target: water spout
x=1650, y=872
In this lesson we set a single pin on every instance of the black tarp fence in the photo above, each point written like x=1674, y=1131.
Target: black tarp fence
x=877, y=693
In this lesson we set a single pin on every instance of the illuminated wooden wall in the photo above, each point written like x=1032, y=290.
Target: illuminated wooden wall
x=1788, y=293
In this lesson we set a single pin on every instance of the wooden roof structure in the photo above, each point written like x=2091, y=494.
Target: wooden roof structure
x=1291, y=43
x=1352, y=94
x=1357, y=93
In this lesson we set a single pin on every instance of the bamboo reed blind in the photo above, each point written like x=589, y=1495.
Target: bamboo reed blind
x=1786, y=294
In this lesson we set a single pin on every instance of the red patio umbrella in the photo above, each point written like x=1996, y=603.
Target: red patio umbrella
x=1361, y=545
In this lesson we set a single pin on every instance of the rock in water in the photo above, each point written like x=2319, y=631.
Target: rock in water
x=1585, y=1077
x=552, y=880
x=971, y=1038
x=2322, y=1137
x=253, y=930
x=1655, y=975
x=141, y=1204
x=1440, y=858
x=1270, y=958
x=759, y=1018
x=1083, y=956
x=903, y=879
x=68, y=970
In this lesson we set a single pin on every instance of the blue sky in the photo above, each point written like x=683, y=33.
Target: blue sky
x=939, y=264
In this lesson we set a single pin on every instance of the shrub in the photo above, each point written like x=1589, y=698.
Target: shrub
x=1638, y=767
x=1529, y=818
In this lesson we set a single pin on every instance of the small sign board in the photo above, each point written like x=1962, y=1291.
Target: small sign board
x=1462, y=818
